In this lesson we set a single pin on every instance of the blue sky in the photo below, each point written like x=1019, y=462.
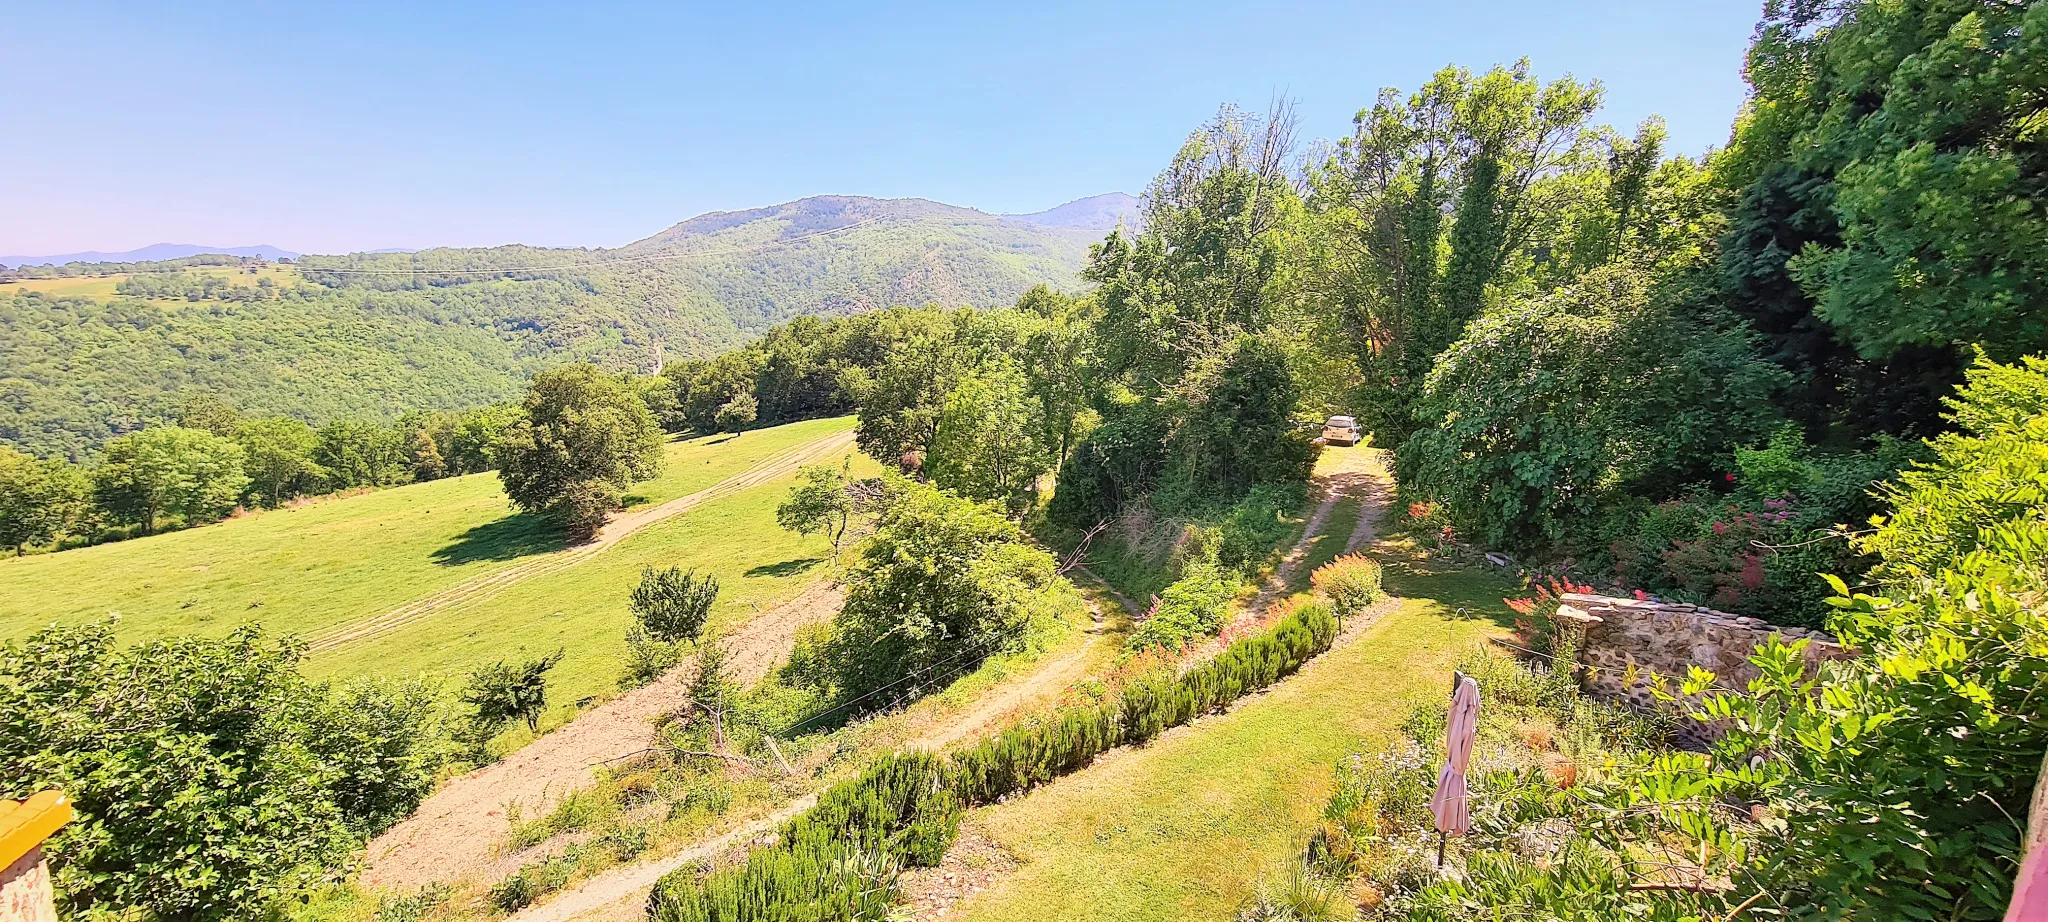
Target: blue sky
x=327, y=128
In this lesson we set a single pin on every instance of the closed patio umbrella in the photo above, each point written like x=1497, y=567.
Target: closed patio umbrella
x=1449, y=803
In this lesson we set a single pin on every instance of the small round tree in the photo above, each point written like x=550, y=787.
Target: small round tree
x=821, y=504
x=738, y=413
x=583, y=438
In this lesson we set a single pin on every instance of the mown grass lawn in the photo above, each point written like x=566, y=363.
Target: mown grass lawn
x=337, y=561
x=1186, y=827
x=582, y=610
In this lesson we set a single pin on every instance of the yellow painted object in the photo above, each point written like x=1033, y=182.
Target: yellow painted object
x=24, y=824
x=24, y=878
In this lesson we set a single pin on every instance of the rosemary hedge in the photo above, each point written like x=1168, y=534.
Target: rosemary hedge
x=839, y=860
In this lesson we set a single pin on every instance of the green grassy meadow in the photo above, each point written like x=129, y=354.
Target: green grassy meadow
x=340, y=560
x=102, y=288
x=1186, y=827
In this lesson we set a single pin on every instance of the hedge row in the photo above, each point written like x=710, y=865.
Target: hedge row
x=1150, y=704
x=840, y=859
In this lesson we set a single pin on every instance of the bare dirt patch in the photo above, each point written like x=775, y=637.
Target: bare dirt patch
x=457, y=832
x=973, y=863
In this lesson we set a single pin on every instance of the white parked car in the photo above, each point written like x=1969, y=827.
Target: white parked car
x=1342, y=430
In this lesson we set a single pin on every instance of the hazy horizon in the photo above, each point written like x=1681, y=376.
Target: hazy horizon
x=474, y=126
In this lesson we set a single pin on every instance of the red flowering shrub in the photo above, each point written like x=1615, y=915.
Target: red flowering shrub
x=1746, y=557
x=1535, y=614
x=1429, y=523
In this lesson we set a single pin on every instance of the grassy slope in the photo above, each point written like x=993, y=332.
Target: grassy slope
x=1184, y=828
x=340, y=560
x=101, y=288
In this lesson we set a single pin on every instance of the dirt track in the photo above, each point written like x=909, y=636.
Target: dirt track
x=618, y=529
x=616, y=895
x=456, y=832
x=1354, y=475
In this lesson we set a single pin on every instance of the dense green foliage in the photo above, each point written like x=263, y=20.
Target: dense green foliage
x=1885, y=785
x=1199, y=353
x=210, y=777
x=1192, y=608
x=80, y=372
x=39, y=500
x=372, y=335
x=1547, y=415
x=168, y=471
x=1907, y=765
x=840, y=859
x=504, y=692
x=582, y=438
x=943, y=583
x=671, y=604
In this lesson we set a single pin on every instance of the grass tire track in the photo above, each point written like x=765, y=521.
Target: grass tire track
x=620, y=528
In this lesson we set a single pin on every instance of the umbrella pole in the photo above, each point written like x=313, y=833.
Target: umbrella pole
x=1442, y=837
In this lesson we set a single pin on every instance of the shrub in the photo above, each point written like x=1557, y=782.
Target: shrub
x=943, y=584
x=411, y=908
x=1351, y=583
x=900, y=807
x=503, y=692
x=1194, y=607
x=836, y=861
x=1913, y=757
x=1256, y=526
x=671, y=605
x=1749, y=557
x=814, y=883
x=1118, y=462
x=209, y=776
x=1529, y=435
x=1298, y=896
x=647, y=657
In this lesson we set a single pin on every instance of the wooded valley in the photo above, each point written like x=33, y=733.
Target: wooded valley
x=949, y=565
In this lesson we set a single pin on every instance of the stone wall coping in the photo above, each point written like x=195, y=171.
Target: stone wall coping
x=1581, y=607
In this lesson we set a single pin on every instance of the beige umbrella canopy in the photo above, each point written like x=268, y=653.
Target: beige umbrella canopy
x=1450, y=802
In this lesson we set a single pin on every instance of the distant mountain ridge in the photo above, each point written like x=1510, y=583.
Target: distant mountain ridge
x=1096, y=212
x=373, y=335
x=806, y=215
x=825, y=213
x=151, y=253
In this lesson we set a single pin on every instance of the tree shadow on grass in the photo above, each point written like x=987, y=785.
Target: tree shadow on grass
x=785, y=568
x=1465, y=592
x=510, y=538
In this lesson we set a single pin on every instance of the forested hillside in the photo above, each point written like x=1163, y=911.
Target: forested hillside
x=1800, y=378
x=376, y=335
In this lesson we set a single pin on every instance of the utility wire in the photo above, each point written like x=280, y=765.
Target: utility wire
x=970, y=648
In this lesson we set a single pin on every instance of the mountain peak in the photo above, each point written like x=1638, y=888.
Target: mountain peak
x=1096, y=212
x=812, y=215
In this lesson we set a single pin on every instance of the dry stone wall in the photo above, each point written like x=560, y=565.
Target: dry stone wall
x=1667, y=639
